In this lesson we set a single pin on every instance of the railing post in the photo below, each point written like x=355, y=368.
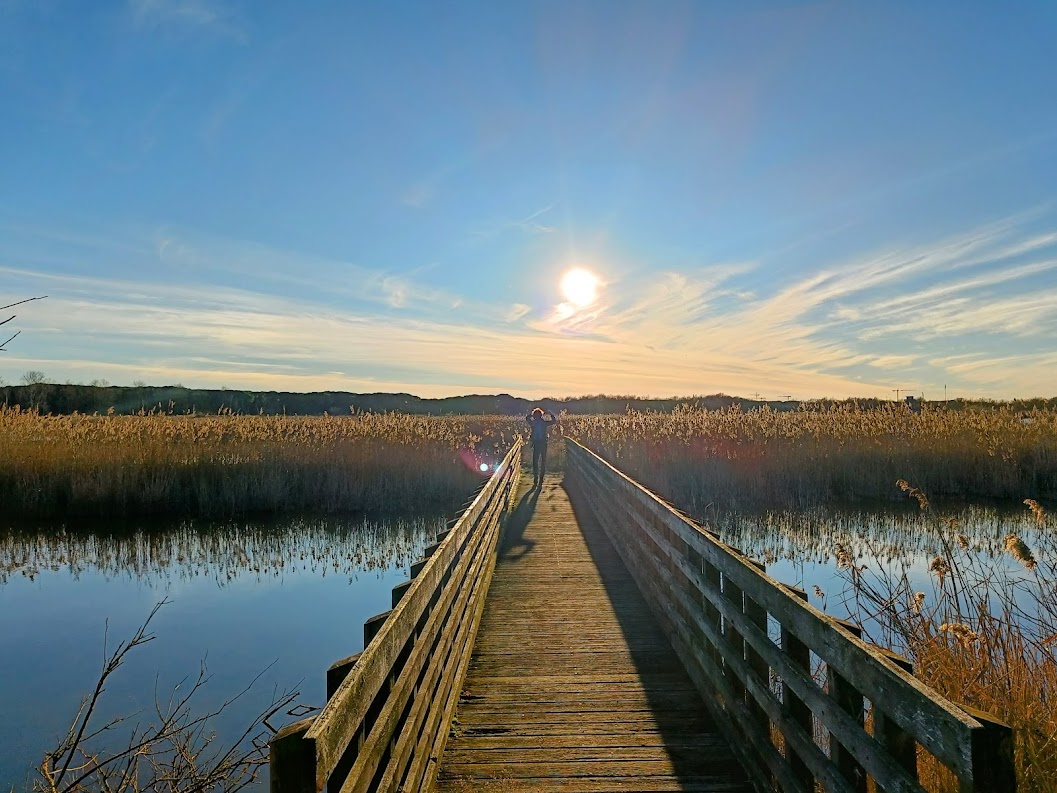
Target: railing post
x=292, y=759
x=993, y=767
x=373, y=625
x=338, y=671
x=897, y=742
x=800, y=655
x=757, y=615
x=715, y=583
x=732, y=594
x=850, y=700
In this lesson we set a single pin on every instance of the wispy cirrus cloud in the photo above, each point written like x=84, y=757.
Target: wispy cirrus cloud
x=976, y=311
x=205, y=15
x=532, y=223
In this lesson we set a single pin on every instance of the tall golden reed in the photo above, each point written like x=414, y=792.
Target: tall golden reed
x=732, y=460
x=227, y=465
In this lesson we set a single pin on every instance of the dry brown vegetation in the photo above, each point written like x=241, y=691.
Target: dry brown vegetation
x=984, y=634
x=229, y=465
x=173, y=749
x=729, y=459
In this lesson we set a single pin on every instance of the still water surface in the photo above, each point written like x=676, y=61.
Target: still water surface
x=296, y=594
x=802, y=548
x=293, y=594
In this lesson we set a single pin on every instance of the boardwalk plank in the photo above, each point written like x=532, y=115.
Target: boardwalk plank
x=572, y=685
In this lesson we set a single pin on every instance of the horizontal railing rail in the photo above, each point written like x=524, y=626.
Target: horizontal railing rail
x=749, y=643
x=389, y=708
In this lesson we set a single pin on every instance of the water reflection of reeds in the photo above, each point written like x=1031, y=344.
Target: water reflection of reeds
x=886, y=536
x=223, y=551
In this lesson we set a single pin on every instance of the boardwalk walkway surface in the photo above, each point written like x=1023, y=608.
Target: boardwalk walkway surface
x=572, y=685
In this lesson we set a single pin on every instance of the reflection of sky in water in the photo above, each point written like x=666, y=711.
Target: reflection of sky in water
x=800, y=548
x=243, y=597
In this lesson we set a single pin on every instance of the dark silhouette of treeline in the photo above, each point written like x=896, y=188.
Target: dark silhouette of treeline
x=88, y=399
x=67, y=398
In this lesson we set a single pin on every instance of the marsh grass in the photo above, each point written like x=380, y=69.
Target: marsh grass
x=228, y=465
x=983, y=633
x=729, y=460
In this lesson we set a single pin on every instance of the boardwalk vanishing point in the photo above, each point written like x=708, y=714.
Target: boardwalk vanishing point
x=586, y=636
x=572, y=684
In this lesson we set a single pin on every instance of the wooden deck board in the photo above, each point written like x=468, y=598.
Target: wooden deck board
x=572, y=685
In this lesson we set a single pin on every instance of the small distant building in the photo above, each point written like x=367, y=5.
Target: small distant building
x=913, y=403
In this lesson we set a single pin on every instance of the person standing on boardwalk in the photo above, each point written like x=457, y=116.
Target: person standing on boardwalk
x=540, y=422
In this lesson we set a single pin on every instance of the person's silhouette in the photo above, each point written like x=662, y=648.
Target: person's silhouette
x=540, y=423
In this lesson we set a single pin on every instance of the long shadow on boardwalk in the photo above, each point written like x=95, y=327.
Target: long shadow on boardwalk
x=572, y=685
x=699, y=754
x=513, y=542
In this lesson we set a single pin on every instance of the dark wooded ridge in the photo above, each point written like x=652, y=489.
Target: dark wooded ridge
x=66, y=398
x=574, y=684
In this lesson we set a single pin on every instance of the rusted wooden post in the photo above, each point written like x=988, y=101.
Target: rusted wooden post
x=993, y=768
x=800, y=655
x=850, y=700
x=292, y=759
x=896, y=741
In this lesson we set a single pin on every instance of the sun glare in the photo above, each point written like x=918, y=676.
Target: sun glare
x=580, y=287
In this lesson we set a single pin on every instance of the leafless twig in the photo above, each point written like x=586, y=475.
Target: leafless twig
x=4, y=344
x=176, y=752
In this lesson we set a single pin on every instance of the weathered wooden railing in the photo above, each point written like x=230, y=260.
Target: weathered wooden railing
x=389, y=708
x=749, y=643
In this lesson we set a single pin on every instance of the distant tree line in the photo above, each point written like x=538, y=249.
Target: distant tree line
x=101, y=397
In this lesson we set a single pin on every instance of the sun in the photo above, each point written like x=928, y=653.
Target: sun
x=580, y=287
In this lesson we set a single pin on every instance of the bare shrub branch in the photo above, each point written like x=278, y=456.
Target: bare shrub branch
x=7, y=341
x=176, y=751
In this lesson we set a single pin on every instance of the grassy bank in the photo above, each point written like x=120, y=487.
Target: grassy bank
x=219, y=466
x=730, y=460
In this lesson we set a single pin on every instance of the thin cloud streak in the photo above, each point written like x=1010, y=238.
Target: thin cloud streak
x=678, y=333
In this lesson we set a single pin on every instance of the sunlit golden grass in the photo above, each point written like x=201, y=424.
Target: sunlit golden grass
x=983, y=634
x=731, y=459
x=229, y=465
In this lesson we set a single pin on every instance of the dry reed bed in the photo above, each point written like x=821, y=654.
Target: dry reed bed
x=734, y=460
x=226, y=465
x=982, y=632
x=985, y=631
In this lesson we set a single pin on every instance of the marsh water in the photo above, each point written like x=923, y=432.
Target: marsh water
x=288, y=598
x=815, y=552
x=284, y=598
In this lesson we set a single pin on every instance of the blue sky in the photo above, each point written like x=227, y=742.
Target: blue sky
x=813, y=199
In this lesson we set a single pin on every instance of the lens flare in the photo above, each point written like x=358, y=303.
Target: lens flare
x=580, y=287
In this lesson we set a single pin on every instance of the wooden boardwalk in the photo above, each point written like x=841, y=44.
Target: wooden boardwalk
x=572, y=685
